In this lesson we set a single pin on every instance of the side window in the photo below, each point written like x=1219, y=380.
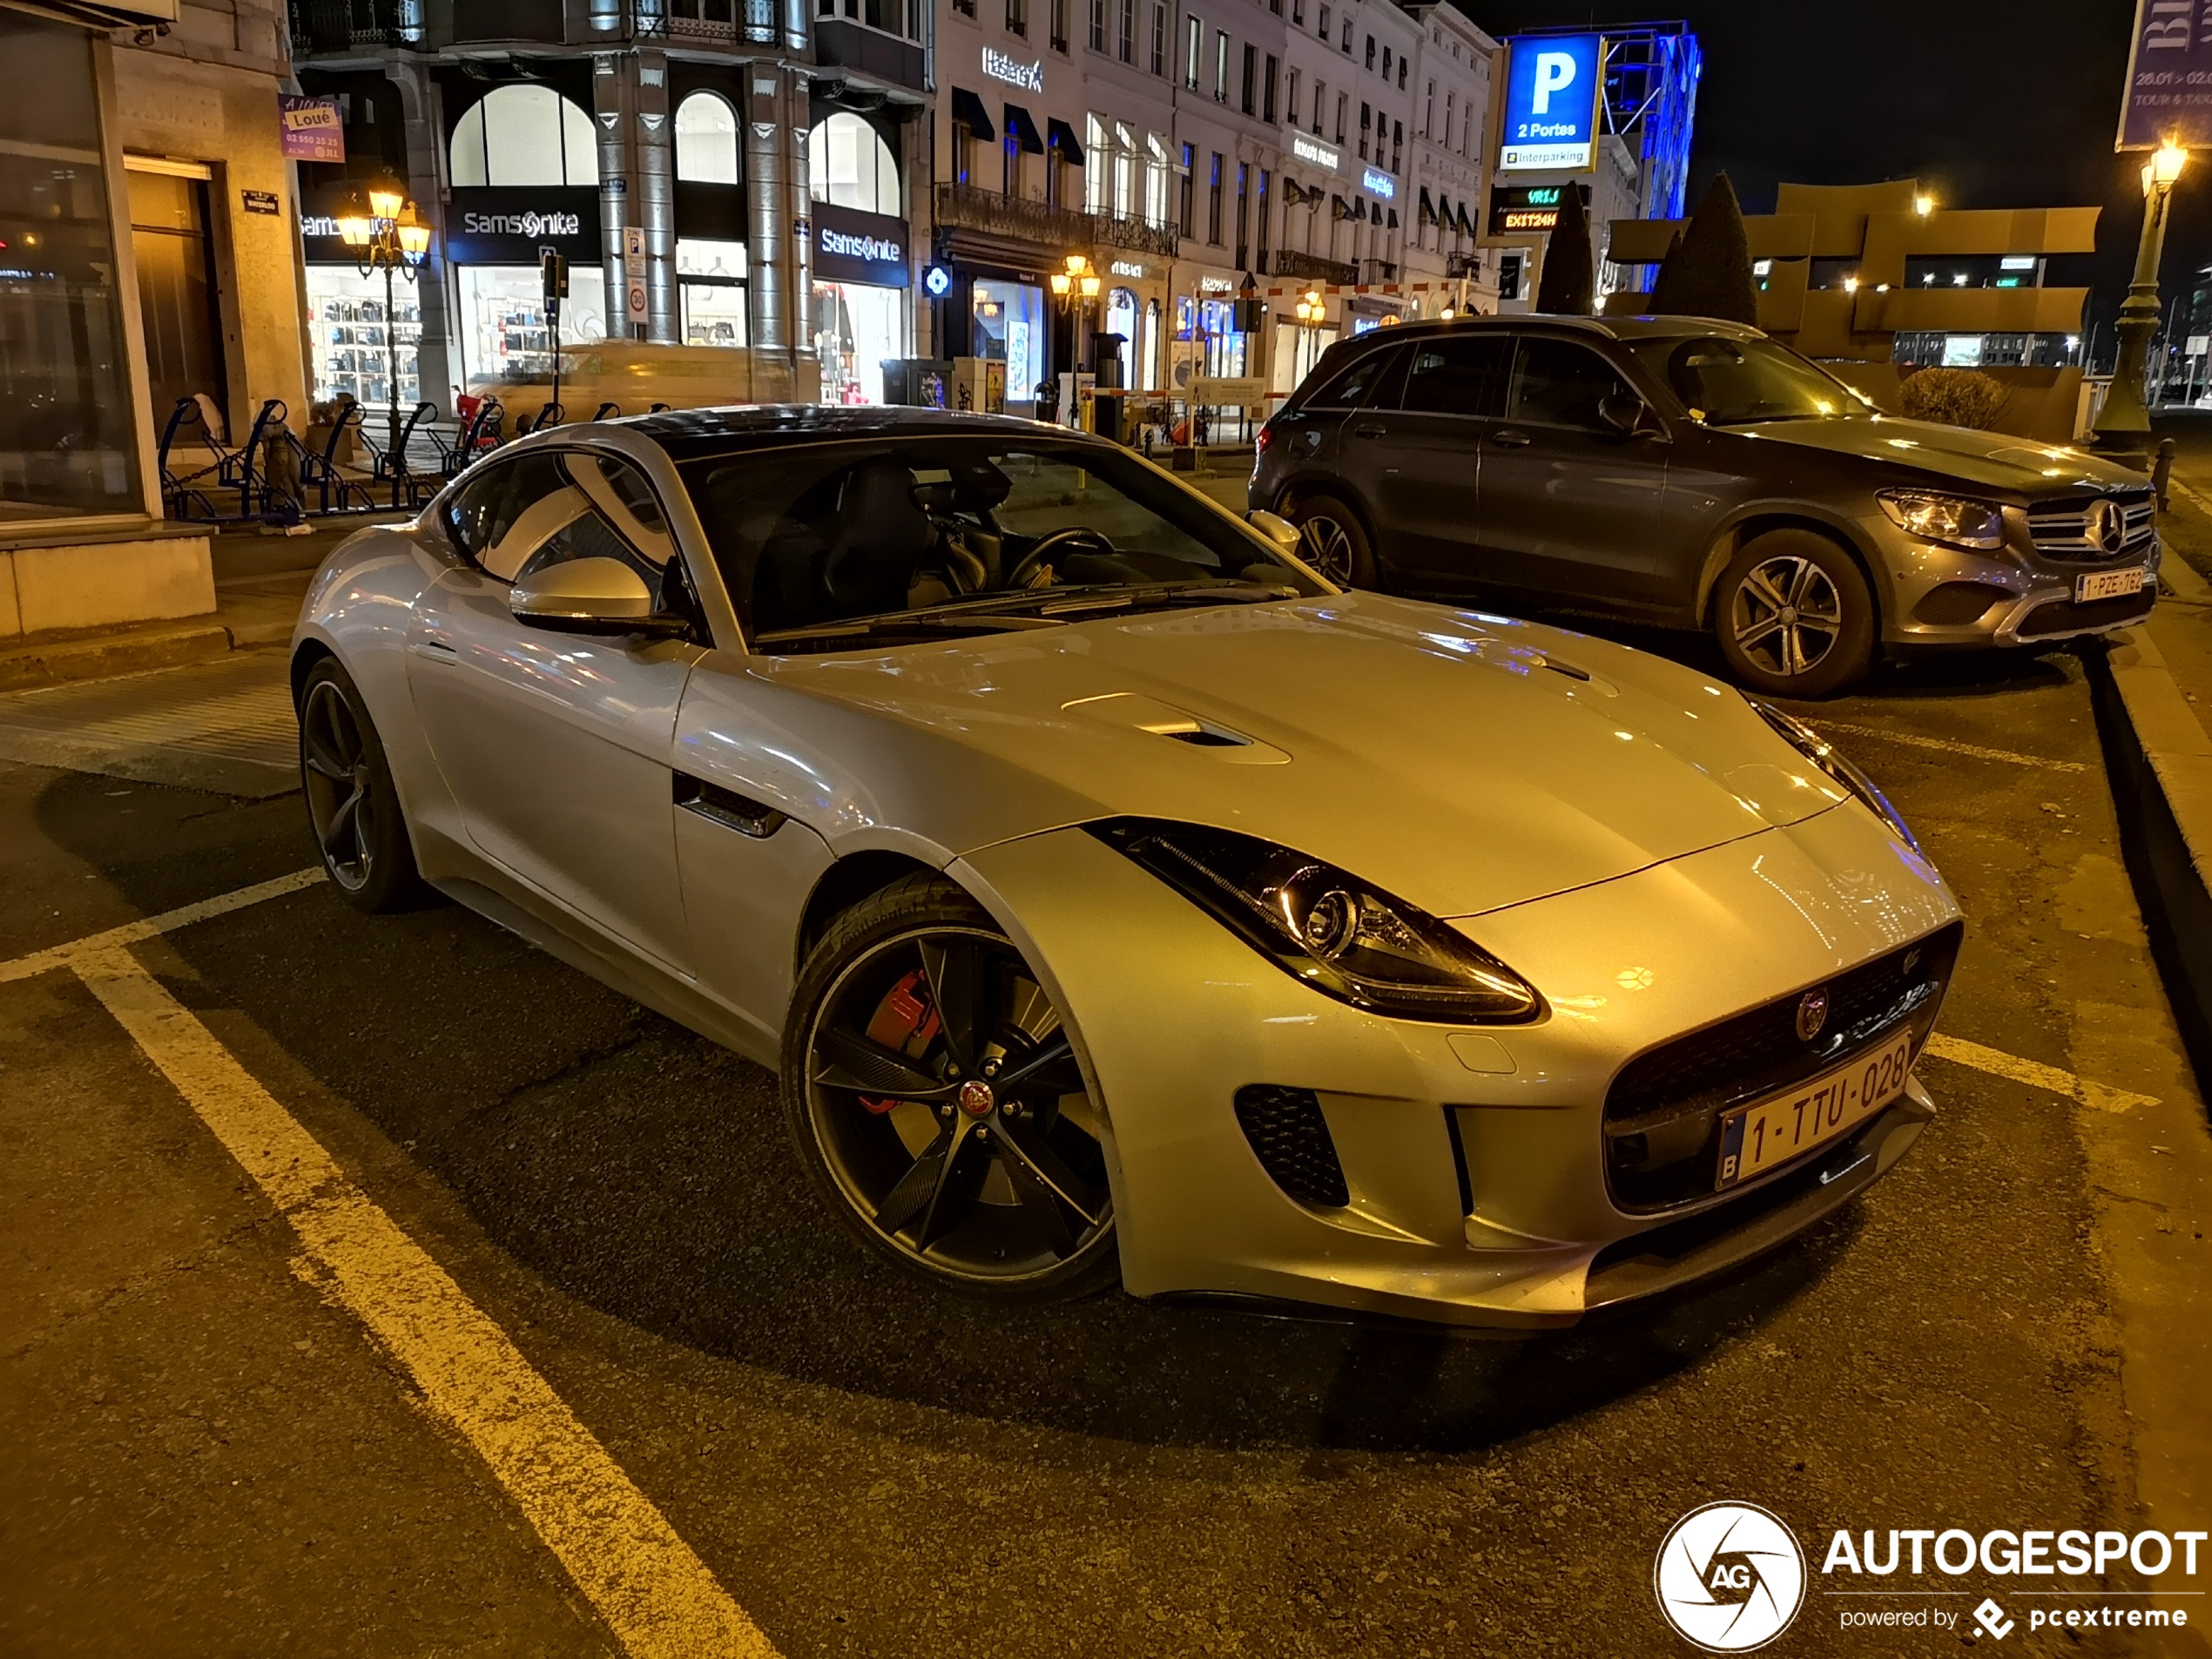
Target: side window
x=599, y=508
x=472, y=512
x=1462, y=377
x=512, y=512
x=1355, y=385
x=1559, y=383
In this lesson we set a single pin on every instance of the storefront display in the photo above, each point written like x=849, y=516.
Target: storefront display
x=861, y=282
x=67, y=407
x=349, y=336
x=504, y=328
x=710, y=279
x=1008, y=325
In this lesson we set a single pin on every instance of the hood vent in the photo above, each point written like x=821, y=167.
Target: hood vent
x=1136, y=712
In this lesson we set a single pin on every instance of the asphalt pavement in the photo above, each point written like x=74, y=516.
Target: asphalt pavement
x=210, y=1453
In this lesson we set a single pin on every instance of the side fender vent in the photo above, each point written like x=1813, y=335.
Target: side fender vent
x=1291, y=1139
x=727, y=807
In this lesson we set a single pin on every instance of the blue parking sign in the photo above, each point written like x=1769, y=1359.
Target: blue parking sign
x=1552, y=87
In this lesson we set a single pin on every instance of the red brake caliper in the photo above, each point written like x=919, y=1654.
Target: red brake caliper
x=904, y=1021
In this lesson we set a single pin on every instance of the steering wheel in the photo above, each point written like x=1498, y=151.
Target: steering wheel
x=1049, y=551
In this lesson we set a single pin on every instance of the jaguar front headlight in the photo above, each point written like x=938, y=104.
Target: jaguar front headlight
x=1822, y=754
x=1327, y=927
x=1953, y=519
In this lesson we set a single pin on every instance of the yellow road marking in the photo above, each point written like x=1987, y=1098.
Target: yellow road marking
x=658, y=1597
x=1913, y=740
x=2035, y=1075
x=41, y=961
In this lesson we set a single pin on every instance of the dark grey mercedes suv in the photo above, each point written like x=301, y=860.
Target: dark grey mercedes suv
x=1695, y=474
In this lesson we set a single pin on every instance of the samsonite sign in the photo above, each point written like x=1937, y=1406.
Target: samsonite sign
x=854, y=246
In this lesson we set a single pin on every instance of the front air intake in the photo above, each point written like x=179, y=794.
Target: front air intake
x=1291, y=1139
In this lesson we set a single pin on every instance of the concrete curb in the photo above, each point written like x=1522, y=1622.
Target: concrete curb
x=50, y=663
x=2160, y=758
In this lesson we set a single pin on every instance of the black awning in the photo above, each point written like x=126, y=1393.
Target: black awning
x=1465, y=225
x=1062, y=137
x=1393, y=218
x=1429, y=207
x=968, y=110
x=1022, y=130
x=1359, y=209
x=1339, y=208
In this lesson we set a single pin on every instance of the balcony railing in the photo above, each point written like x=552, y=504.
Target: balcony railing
x=341, y=25
x=1021, y=220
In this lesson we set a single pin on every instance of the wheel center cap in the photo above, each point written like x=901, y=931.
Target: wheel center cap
x=976, y=1098
x=1789, y=615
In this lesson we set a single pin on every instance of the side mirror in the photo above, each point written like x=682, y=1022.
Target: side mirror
x=598, y=595
x=1276, y=529
x=1624, y=413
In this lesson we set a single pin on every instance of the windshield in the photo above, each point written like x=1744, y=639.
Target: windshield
x=823, y=545
x=1734, y=382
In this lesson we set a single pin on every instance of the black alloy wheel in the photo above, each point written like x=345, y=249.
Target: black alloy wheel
x=1332, y=541
x=353, y=806
x=1793, y=614
x=935, y=1098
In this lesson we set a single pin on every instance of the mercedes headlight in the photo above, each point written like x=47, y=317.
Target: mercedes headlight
x=1340, y=935
x=1945, y=518
x=1822, y=754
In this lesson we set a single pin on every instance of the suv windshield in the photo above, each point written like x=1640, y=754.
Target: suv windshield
x=1735, y=382
x=904, y=539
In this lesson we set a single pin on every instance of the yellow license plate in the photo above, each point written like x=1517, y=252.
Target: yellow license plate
x=1769, y=1133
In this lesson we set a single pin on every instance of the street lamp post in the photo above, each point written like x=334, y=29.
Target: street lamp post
x=2123, y=427
x=1312, y=311
x=380, y=224
x=1076, y=288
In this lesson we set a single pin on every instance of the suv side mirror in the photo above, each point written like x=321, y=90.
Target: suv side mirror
x=595, y=595
x=1624, y=413
x=1276, y=529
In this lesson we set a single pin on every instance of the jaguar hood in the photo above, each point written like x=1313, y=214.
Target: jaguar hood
x=1460, y=760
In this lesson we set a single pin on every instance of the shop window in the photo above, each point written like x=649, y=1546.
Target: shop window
x=711, y=279
x=858, y=327
x=848, y=165
x=505, y=334
x=67, y=447
x=523, y=135
x=707, y=140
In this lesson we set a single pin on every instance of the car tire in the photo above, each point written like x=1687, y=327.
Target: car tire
x=352, y=804
x=912, y=1014
x=1794, y=616
x=1333, y=541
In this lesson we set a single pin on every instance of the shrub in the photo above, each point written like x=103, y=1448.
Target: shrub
x=1707, y=271
x=1566, y=286
x=1953, y=397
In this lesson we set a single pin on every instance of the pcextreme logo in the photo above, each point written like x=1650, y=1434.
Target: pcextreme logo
x=1729, y=1577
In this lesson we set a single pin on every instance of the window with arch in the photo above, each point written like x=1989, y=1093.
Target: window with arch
x=848, y=165
x=524, y=134
x=707, y=140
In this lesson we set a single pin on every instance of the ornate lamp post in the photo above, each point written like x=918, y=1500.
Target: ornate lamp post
x=1312, y=311
x=381, y=225
x=2123, y=428
x=1078, y=289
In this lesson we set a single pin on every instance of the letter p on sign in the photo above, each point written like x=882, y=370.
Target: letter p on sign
x=1555, y=73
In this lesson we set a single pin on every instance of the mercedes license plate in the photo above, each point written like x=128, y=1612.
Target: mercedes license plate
x=2108, y=585
x=1757, y=1137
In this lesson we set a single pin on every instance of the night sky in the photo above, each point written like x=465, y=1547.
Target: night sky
x=1992, y=103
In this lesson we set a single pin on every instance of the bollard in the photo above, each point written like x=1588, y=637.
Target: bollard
x=2161, y=471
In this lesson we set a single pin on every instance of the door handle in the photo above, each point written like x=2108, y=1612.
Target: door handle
x=436, y=650
x=1371, y=432
x=1510, y=438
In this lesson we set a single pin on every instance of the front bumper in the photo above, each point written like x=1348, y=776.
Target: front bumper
x=1929, y=591
x=1471, y=1161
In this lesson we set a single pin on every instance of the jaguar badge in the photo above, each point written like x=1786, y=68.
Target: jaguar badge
x=1812, y=1014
